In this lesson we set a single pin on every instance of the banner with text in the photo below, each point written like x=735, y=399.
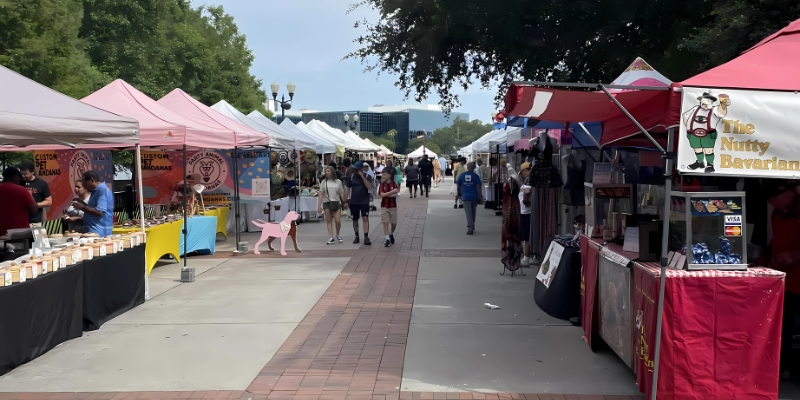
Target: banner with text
x=739, y=133
x=61, y=168
x=162, y=173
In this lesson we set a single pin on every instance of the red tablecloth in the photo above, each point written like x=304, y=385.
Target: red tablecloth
x=590, y=251
x=721, y=332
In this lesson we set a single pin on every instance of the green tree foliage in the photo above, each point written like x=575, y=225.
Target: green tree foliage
x=39, y=39
x=440, y=46
x=458, y=135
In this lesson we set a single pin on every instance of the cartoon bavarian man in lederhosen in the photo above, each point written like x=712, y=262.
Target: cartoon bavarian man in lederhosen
x=701, y=128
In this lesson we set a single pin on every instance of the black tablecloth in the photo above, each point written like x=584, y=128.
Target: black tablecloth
x=38, y=315
x=562, y=299
x=112, y=285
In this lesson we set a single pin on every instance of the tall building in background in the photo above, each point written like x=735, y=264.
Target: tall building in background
x=409, y=121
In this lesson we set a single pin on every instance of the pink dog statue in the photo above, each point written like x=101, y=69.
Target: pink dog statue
x=279, y=230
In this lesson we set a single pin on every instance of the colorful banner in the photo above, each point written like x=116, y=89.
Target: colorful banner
x=162, y=173
x=61, y=168
x=739, y=133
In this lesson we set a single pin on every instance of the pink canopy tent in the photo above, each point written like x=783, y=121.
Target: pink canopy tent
x=158, y=125
x=772, y=64
x=184, y=104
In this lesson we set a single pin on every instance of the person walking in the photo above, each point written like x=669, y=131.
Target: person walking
x=388, y=191
x=357, y=190
x=525, y=213
x=426, y=174
x=469, y=192
x=457, y=171
x=437, y=172
x=331, y=198
x=411, y=173
x=442, y=168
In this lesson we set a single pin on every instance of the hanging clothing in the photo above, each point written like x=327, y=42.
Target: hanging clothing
x=574, y=188
x=545, y=222
x=511, y=249
x=544, y=174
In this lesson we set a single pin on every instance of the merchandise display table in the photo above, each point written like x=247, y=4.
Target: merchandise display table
x=201, y=235
x=162, y=240
x=562, y=299
x=112, y=285
x=39, y=315
x=222, y=219
x=721, y=329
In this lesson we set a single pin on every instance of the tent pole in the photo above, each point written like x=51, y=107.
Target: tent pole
x=140, y=191
x=635, y=122
x=236, y=194
x=593, y=141
x=185, y=216
x=664, y=261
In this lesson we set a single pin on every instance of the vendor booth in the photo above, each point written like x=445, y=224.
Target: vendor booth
x=64, y=287
x=668, y=276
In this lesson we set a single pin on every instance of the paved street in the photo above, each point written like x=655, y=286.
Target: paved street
x=338, y=322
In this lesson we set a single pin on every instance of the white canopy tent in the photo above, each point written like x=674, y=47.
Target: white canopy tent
x=301, y=141
x=319, y=130
x=416, y=154
x=353, y=144
x=33, y=114
x=386, y=150
x=337, y=143
x=323, y=146
x=277, y=137
x=364, y=142
x=487, y=143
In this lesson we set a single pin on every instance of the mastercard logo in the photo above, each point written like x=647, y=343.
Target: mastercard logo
x=733, y=231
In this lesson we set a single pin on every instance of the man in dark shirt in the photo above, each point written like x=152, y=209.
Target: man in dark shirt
x=18, y=204
x=426, y=174
x=39, y=190
x=356, y=192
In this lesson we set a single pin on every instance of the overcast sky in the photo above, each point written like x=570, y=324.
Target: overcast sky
x=304, y=41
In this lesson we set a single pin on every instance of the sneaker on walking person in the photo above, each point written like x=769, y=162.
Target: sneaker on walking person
x=331, y=241
x=357, y=191
x=388, y=192
x=469, y=191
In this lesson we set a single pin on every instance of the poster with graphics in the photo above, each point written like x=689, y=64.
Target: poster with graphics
x=61, y=168
x=213, y=169
x=738, y=133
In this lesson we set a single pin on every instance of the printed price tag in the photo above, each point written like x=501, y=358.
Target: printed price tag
x=120, y=247
x=91, y=252
x=34, y=271
x=63, y=261
x=76, y=257
x=138, y=240
x=102, y=251
x=133, y=241
x=44, y=267
x=22, y=275
x=7, y=279
x=113, y=247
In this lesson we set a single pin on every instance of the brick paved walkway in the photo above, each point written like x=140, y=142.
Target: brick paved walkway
x=351, y=345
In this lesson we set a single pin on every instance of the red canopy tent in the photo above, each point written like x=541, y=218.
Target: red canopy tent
x=772, y=64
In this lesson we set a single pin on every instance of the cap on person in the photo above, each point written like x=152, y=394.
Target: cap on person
x=10, y=173
x=525, y=165
x=358, y=165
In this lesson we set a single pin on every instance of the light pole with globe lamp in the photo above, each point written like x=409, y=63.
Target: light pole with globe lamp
x=353, y=127
x=285, y=104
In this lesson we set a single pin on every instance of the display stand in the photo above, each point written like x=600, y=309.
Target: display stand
x=562, y=299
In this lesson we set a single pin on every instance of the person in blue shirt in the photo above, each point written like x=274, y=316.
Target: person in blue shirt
x=98, y=211
x=470, y=193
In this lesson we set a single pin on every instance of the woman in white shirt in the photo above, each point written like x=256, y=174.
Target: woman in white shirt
x=331, y=198
x=72, y=217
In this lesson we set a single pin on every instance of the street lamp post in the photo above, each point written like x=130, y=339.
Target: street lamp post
x=422, y=137
x=353, y=127
x=285, y=104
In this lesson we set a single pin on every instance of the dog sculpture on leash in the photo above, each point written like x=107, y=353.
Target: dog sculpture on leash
x=278, y=230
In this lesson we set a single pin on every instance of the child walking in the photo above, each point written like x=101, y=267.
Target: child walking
x=388, y=191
